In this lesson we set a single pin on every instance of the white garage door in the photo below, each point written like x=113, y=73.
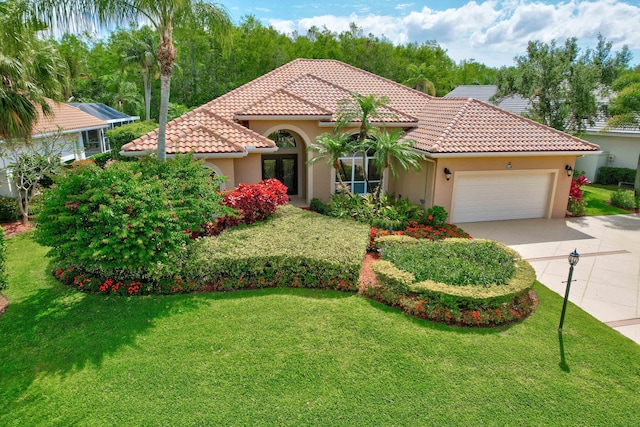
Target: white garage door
x=501, y=195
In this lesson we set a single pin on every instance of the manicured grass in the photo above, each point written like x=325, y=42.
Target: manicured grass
x=294, y=357
x=597, y=197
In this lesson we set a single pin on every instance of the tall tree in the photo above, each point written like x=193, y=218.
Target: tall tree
x=558, y=82
x=419, y=78
x=31, y=69
x=162, y=14
x=624, y=109
x=141, y=50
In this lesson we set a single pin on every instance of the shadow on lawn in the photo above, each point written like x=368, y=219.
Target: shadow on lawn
x=57, y=330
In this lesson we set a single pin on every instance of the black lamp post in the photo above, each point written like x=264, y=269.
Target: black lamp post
x=574, y=257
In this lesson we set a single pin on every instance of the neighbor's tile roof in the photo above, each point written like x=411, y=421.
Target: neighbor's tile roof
x=64, y=118
x=313, y=88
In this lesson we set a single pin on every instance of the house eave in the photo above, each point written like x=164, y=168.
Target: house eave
x=513, y=154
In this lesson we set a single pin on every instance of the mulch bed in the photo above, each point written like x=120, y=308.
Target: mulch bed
x=13, y=228
x=367, y=276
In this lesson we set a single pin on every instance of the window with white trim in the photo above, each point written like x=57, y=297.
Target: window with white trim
x=352, y=170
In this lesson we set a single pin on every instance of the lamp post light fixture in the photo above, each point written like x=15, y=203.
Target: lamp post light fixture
x=574, y=257
x=569, y=170
x=447, y=173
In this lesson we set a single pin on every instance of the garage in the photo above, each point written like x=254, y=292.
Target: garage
x=501, y=195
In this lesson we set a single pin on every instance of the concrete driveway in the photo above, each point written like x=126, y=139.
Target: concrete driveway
x=607, y=278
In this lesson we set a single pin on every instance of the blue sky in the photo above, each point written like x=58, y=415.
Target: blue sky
x=490, y=31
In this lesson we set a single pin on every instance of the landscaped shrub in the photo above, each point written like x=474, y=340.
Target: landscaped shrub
x=454, y=261
x=128, y=221
x=503, y=297
x=294, y=248
x=319, y=206
x=436, y=216
x=390, y=213
x=124, y=134
x=576, y=205
x=9, y=209
x=612, y=176
x=625, y=199
x=3, y=260
x=251, y=203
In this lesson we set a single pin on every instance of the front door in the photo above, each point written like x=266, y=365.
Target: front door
x=284, y=168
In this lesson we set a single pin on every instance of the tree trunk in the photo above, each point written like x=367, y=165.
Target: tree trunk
x=23, y=204
x=166, y=57
x=146, y=82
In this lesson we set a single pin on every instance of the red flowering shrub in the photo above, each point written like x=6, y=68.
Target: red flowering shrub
x=576, y=205
x=252, y=202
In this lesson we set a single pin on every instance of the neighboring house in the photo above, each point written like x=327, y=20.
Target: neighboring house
x=483, y=163
x=94, y=140
x=67, y=124
x=619, y=147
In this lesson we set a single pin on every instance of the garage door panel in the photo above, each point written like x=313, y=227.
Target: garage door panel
x=486, y=197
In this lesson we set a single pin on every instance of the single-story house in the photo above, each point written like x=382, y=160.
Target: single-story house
x=68, y=124
x=619, y=147
x=94, y=140
x=482, y=162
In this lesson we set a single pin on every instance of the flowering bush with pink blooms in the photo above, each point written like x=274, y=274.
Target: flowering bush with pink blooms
x=576, y=205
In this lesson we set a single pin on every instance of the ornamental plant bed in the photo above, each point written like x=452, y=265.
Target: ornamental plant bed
x=456, y=281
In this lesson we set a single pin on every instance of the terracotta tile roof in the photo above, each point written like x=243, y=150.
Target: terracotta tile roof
x=458, y=125
x=313, y=88
x=65, y=118
x=284, y=103
x=201, y=131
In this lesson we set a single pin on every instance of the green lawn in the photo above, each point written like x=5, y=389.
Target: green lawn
x=294, y=357
x=597, y=196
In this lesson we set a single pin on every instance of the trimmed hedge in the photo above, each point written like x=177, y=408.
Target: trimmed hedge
x=625, y=199
x=612, y=176
x=468, y=305
x=294, y=248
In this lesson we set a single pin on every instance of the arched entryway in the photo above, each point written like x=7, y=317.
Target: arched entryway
x=283, y=165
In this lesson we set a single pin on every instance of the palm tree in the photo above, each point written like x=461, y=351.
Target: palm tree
x=141, y=48
x=330, y=147
x=122, y=94
x=360, y=109
x=391, y=151
x=30, y=71
x=418, y=79
x=162, y=14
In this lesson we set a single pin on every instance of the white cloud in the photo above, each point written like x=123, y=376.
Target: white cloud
x=492, y=31
x=262, y=9
x=403, y=6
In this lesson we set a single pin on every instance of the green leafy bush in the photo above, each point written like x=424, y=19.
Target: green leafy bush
x=319, y=206
x=9, y=209
x=436, y=216
x=3, y=261
x=294, y=248
x=129, y=221
x=612, y=176
x=576, y=207
x=454, y=261
x=124, y=134
x=625, y=199
x=471, y=304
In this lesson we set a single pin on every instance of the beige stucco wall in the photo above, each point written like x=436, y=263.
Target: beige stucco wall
x=248, y=170
x=417, y=186
x=444, y=189
x=224, y=167
x=624, y=150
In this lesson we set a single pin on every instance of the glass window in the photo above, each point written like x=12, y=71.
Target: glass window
x=352, y=171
